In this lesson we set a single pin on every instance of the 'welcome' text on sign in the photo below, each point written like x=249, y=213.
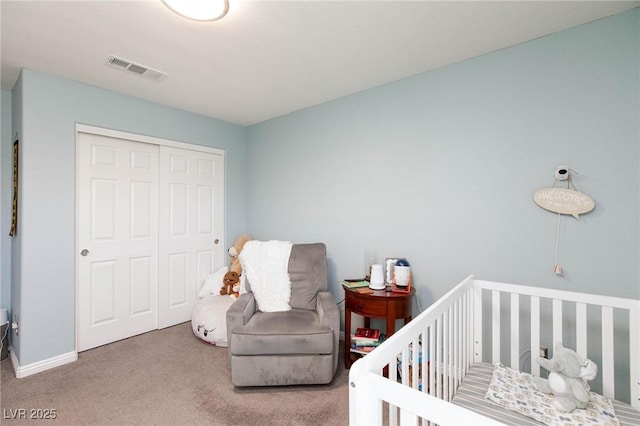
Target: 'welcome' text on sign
x=564, y=201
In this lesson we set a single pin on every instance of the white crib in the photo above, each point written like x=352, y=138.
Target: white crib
x=487, y=321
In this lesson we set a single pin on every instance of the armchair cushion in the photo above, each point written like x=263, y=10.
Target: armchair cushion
x=276, y=333
x=308, y=274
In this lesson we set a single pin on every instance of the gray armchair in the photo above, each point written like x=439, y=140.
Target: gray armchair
x=295, y=347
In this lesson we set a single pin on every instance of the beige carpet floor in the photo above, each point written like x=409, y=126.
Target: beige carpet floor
x=165, y=377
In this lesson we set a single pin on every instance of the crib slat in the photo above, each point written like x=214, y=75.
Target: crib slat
x=477, y=324
x=451, y=334
x=455, y=366
x=557, y=321
x=467, y=314
x=515, y=331
x=404, y=366
x=393, y=415
x=438, y=360
x=607, y=352
x=495, y=326
x=407, y=418
x=424, y=356
x=415, y=364
x=441, y=350
x=468, y=330
x=445, y=355
x=581, y=329
x=392, y=410
x=454, y=349
x=535, y=334
x=433, y=360
x=404, y=379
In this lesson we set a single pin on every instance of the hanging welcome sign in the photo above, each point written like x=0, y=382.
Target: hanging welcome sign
x=564, y=201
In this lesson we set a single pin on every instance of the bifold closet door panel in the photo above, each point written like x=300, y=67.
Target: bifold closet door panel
x=117, y=235
x=190, y=223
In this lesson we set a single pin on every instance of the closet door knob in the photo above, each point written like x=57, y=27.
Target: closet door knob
x=84, y=252
x=216, y=241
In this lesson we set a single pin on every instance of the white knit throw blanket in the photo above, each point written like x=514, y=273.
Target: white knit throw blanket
x=266, y=265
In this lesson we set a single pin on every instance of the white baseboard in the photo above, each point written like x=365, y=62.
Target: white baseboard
x=37, y=367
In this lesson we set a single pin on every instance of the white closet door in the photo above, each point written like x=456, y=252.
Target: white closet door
x=190, y=220
x=117, y=263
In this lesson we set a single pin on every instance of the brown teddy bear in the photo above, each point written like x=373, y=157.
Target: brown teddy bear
x=235, y=251
x=231, y=284
x=231, y=280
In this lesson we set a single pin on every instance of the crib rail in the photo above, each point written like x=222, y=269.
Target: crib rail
x=412, y=376
x=595, y=326
x=442, y=336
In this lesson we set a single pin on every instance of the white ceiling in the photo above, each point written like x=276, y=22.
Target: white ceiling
x=269, y=58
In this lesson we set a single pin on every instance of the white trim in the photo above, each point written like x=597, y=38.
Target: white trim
x=84, y=128
x=37, y=367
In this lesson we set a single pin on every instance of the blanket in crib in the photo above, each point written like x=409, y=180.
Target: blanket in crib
x=471, y=395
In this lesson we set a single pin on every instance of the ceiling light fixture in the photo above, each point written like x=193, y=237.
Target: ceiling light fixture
x=199, y=10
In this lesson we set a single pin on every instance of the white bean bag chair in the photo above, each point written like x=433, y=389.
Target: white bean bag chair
x=209, y=317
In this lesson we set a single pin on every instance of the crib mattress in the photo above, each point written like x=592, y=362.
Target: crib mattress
x=471, y=391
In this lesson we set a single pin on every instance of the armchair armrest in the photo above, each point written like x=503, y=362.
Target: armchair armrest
x=239, y=313
x=329, y=315
x=327, y=309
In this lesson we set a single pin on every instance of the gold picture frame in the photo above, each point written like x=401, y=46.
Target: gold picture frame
x=14, y=214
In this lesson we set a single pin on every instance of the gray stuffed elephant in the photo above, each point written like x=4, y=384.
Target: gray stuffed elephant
x=568, y=376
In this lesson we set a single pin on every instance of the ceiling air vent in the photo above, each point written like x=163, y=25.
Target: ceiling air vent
x=132, y=67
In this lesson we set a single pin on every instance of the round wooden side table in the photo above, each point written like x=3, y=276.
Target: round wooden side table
x=374, y=304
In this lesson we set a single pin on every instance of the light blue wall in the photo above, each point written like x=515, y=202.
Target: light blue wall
x=441, y=167
x=16, y=240
x=6, y=167
x=51, y=108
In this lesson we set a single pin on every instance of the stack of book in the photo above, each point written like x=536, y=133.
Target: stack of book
x=365, y=340
x=355, y=283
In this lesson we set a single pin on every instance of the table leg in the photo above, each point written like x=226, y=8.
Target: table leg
x=347, y=338
x=391, y=319
x=367, y=322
